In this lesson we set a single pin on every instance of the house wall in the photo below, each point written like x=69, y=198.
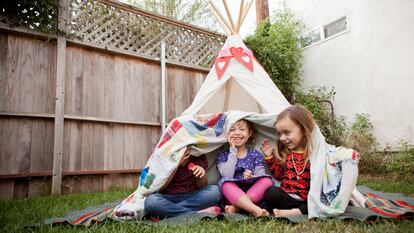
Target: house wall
x=371, y=65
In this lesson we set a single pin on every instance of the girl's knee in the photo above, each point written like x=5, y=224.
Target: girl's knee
x=266, y=181
x=271, y=193
x=214, y=190
x=152, y=200
x=228, y=185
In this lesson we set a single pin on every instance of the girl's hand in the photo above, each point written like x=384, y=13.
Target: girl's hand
x=198, y=171
x=230, y=139
x=266, y=148
x=247, y=174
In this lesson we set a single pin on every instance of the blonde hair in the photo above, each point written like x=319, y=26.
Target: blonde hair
x=302, y=118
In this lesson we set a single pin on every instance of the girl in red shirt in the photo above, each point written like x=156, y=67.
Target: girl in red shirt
x=289, y=162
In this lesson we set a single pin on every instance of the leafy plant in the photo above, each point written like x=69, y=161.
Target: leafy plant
x=276, y=46
x=195, y=12
x=318, y=100
x=360, y=135
x=402, y=162
x=39, y=15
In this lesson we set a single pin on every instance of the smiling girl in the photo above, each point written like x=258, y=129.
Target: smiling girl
x=290, y=162
x=243, y=172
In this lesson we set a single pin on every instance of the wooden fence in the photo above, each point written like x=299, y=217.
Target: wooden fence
x=77, y=116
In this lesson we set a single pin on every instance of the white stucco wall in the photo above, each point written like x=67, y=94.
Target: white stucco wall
x=371, y=66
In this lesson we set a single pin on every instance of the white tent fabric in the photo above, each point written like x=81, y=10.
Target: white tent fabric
x=238, y=89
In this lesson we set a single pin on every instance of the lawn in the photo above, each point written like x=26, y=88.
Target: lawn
x=16, y=214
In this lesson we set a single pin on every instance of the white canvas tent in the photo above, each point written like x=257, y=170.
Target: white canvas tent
x=237, y=82
x=238, y=87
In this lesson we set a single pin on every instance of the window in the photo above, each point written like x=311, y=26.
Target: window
x=325, y=32
x=311, y=38
x=335, y=27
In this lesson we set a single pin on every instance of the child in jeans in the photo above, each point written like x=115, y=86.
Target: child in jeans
x=187, y=192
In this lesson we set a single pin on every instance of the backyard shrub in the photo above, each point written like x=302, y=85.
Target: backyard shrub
x=39, y=15
x=276, y=46
x=361, y=138
x=319, y=102
x=360, y=135
x=402, y=162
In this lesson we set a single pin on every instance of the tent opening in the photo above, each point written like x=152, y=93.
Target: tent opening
x=235, y=98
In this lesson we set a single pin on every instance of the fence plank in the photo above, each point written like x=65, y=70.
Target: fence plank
x=37, y=146
x=98, y=155
x=150, y=79
x=24, y=131
x=108, y=82
x=78, y=81
x=87, y=153
x=13, y=76
x=8, y=147
x=128, y=147
x=49, y=145
x=108, y=155
x=66, y=147
x=26, y=61
x=76, y=138
x=3, y=70
x=119, y=89
x=42, y=85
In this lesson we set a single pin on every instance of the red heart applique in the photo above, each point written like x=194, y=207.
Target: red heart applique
x=242, y=57
x=220, y=64
x=236, y=51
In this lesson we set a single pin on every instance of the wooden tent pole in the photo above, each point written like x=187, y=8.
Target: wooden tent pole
x=240, y=16
x=246, y=10
x=222, y=18
x=229, y=15
x=226, y=30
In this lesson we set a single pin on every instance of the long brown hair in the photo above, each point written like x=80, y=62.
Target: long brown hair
x=302, y=118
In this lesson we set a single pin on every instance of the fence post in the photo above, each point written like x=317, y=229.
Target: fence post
x=163, y=88
x=63, y=10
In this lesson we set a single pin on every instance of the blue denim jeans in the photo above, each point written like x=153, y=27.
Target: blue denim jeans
x=164, y=206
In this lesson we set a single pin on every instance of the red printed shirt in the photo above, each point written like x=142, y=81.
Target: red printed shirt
x=184, y=180
x=288, y=175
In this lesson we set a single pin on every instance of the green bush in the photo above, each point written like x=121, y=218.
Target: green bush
x=39, y=15
x=360, y=136
x=373, y=164
x=401, y=162
x=318, y=100
x=276, y=46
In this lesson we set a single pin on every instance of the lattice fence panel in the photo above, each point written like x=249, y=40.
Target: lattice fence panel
x=120, y=29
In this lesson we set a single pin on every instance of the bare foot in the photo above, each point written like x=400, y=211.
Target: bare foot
x=286, y=213
x=260, y=212
x=211, y=210
x=230, y=209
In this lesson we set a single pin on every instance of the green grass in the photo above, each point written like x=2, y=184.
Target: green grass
x=16, y=214
x=392, y=183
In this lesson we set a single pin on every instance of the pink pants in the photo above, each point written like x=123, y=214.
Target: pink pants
x=233, y=193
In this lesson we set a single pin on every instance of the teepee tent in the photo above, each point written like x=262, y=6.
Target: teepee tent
x=236, y=81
